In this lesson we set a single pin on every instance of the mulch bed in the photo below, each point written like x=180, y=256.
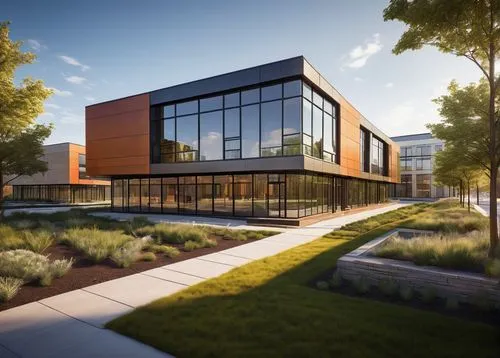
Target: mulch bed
x=465, y=311
x=85, y=273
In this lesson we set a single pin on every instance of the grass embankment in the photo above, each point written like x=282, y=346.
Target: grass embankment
x=267, y=309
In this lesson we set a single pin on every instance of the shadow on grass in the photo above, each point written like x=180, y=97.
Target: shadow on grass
x=265, y=309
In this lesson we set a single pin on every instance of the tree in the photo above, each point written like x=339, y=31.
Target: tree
x=465, y=28
x=21, y=139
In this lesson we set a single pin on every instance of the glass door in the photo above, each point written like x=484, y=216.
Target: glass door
x=276, y=196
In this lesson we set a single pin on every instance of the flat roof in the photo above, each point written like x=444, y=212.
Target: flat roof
x=407, y=137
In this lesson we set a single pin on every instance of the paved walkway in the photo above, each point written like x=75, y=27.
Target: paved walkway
x=70, y=324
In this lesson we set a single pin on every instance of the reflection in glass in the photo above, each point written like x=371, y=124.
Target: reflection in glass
x=306, y=91
x=271, y=130
x=243, y=195
x=169, y=195
x=204, y=194
x=292, y=195
x=317, y=132
x=250, y=96
x=211, y=136
x=223, y=195
x=187, y=194
x=134, y=194
x=270, y=93
x=291, y=116
x=187, y=108
x=260, y=195
x=145, y=195
x=167, y=143
x=117, y=202
x=306, y=117
x=328, y=134
x=250, y=131
x=232, y=123
x=187, y=137
x=155, y=194
x=293, y=88
x=232, y=100
x=210, y=104
x=169, y=111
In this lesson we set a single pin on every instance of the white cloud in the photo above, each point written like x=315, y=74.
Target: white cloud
x=52, y=105
x=358, y=79
x=36, y=45
x=359, y=55
x=389, y=85
x=75, y=79
x=68, y=117
x=61, y=93
x=90, y=98
x=74, y=62
x=47, y=114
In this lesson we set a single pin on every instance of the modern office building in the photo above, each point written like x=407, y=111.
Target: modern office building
x=66, y=179
x=276, y=140
x=417, y=158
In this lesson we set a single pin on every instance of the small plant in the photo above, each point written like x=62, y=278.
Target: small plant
x=361, y=285
x=37, y=241
x=24, y=264
x=167, y=250
x=322, y=285
x=148, y=256
x=428, y=294
x=174, y=234
x=24, y=224
x=76, y=222
x=336, y=281
x=59, y=268
x=10, y=239
x=452, y=303
x=129, y=253
x=406, y=292
x=388, y=287
x=46, y=225
x=193, y=245
x=9, y=286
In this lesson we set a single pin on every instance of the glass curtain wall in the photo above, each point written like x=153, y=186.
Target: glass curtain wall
x=281, y=195
x=281, y=119
x=62, y=193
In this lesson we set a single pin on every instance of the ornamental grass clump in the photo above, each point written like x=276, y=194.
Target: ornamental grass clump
x=127, y=254
x=167, y=250
x=9, y=287
x=10, y=239
x=174, y=233
x=37, y=240
x=95, y=244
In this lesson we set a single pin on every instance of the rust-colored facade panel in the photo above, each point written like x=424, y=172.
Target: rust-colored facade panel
x=74, y=168
x=117, y=131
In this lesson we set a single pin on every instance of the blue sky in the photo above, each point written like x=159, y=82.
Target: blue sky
x=93, y=51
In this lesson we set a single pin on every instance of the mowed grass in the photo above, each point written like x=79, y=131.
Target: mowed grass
x=268, y=309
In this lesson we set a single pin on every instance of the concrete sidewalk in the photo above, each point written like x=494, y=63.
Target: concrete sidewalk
x=70, y=324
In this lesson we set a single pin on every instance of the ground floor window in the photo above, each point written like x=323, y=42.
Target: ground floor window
x=280, y=195
x=68, y=193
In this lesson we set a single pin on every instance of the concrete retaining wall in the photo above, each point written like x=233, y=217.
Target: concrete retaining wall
x=466, y=287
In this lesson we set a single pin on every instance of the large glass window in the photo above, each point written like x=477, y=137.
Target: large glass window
x=406, y=164
x=243, y=195
x=291, y=116
x=223, y=194
x=232, y=133
x=210, y=104
x=270, y=93
x=185, y=108
x=211, y=136
x=260, y=195
x=317, y=132
x=169, y=195
x=187, y=138
x=377, y=160
x=328, y=150
x=134, y=195
x=250, y=96
x=167, y=144
x=292, y=88
x=155, y=194
x=187, y=194
x=271, y=129
x=232, y=100
x=204, y=194
x=423, y=163
x=250, y=131
x=423, y=185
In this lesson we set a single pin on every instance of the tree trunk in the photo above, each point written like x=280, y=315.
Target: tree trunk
x=493, y=148
x=477, y=193
x=468, y=195
x=1, y=198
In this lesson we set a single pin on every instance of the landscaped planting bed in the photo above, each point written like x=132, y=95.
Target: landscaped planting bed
x=455, y=272
x=44, y=255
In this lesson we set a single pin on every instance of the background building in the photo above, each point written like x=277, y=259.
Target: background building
x=66, y=179
x=276, y=140
x=417, y=158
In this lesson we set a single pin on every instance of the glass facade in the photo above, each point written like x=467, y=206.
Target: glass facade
x=378, y=165
x=423, y=185
x=281, y=195
x=63, y=193
x=280, y=119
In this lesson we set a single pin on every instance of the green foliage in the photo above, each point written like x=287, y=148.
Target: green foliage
x=95, y=244
x=10, y=239
x=59, y=268
x=388, y=287
x=37, y=240
x=148, y=256
x=174, y=233
x=406, y=292
x=322, y=285
x=24, y=224
x=167, y=250
x=128, y=253
x=361, y=285
x=455, y=251
x=493, y=267
x=191, y=245
x=9, y=287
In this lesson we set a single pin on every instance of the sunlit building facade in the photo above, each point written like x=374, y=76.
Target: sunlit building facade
x=275, y=140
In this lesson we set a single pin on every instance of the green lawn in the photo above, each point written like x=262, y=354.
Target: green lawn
x=267, y=309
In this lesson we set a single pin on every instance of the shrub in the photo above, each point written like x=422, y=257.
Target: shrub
x=95, y=244
x=336, y=281
x=9, y=286
x=59, y=268
x=148, y=256
x=361, y=285
x=322, y=285
x=24, y=224
x=10, y=238
x=255, y=235
x=25, y=265
x=406, y=292
x=77, y=222
x=193, y=245
x=127, y=254
x=388, y=287
x=167, y=250
x=452, y=303
x=46, y=225
x=493, y=268
x=174, y=234
x=428, y=294
x=37, y=240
